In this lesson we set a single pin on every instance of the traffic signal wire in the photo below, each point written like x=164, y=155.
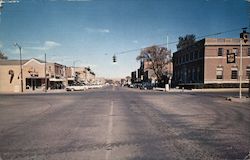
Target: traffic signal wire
x=175, y=42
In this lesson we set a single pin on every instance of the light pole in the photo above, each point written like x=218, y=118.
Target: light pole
x=240, y=74
x=45, y=67
x=74, y=66
x=243, y=37
x=21, y=64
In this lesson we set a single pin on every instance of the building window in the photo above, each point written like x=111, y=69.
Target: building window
x=191, y=56
x=196, y=55
x=248, y=52
x=200, y=54
x=234, y=73
x=220, y=51
x=236, y=51
x=193, y=74
x=219, y=73
x=248, y=72
x=187, y=57
x=198, y=74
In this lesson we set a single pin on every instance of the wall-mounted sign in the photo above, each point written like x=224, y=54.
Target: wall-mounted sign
x=230, y=57
x=11, y=73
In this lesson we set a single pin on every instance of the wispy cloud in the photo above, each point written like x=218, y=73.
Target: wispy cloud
x=51, y=44
x=46, y=46
x=97, y=30
x=1, y=45
x=248, y=1
x=135, y=41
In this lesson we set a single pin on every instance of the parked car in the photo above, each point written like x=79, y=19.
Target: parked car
x=94, y=86
x=76, y=87
x=147, y=86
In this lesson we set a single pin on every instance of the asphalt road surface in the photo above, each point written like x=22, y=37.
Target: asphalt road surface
x=115, y=123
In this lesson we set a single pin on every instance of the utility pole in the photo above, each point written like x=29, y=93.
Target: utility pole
x=243, y=37
x=21, y=64
x=240, y=74
x=45, y=67
x=74, y=68
x=167, y=41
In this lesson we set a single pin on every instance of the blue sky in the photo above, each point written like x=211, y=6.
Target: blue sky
x=90, y=32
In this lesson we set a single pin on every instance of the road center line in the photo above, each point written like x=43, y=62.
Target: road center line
x=109, y=134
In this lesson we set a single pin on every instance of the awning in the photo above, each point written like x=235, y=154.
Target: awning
x=70, y=79
x=56, y=80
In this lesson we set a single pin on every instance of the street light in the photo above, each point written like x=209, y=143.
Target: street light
x=243, y=37
x=21, y=67
x=45, y=67
x=74, y=67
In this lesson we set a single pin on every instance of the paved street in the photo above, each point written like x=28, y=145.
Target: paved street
x=122, y=123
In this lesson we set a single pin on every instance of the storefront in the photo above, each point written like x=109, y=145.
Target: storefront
x=56, y=83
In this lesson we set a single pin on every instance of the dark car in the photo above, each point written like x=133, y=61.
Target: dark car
x=147, y=86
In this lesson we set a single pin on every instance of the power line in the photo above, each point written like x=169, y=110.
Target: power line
x=175, y=42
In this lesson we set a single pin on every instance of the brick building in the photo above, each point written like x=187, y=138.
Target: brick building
x=146, y=73
x=204, y=64
x=84, y=74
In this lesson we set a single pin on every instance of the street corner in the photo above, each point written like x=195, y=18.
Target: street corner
x=238, y=99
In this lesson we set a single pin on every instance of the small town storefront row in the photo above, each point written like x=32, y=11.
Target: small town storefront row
x=33, y=76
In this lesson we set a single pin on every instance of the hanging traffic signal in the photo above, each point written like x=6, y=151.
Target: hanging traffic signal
x=114, y=59
x=244, y=35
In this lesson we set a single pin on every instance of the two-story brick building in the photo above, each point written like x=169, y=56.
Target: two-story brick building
x=204, y=64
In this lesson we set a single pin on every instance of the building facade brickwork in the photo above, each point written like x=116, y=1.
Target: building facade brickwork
x=204, y=64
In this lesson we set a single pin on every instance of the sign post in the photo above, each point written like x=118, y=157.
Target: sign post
x=243, y=37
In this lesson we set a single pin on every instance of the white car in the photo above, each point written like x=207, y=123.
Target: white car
x=94, y=86
x=76, y=87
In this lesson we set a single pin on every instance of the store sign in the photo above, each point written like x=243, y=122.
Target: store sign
x=231, y=58
x=11, y=73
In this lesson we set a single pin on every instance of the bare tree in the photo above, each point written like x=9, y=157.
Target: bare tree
x=2, y=55
x=185, y=41
x=157, y=58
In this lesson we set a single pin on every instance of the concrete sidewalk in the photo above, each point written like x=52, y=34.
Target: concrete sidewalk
x=36, y=92
x=243, y=99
